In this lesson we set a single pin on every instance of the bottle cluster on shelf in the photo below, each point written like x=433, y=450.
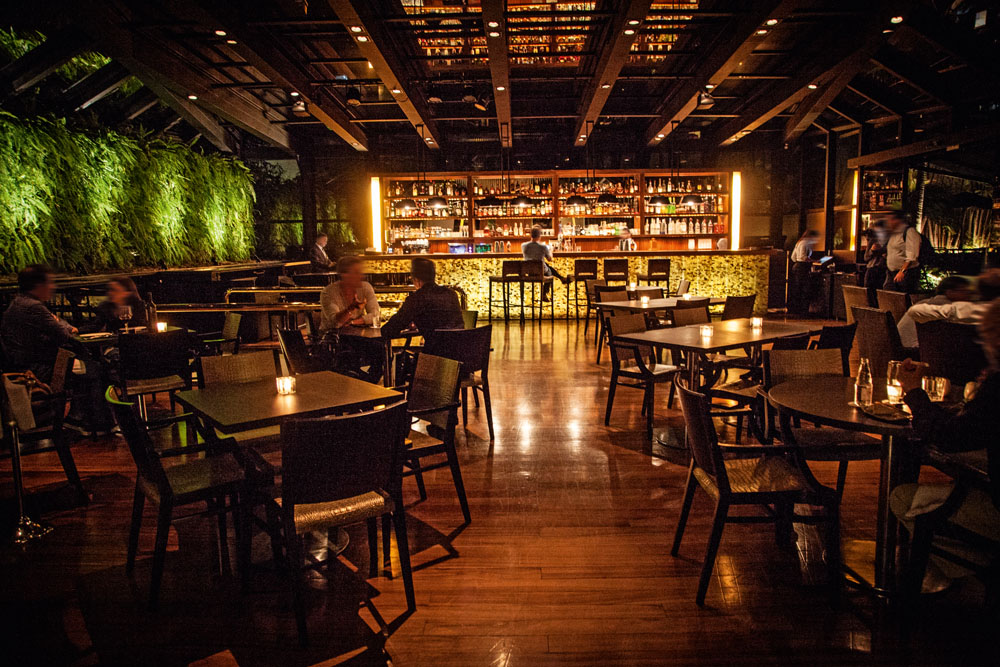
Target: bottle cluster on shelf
x=623, y=185
x=400, y=233
x=537, y=207
x=882, y=190
x=707, y=206
x=518, y=186
x=427, y=189
x=514, y=228
x=685, y=185
x=456, y=208
x=600, y=228
x=683, y=226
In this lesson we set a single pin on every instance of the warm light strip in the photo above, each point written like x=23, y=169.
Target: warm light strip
x=854, y=213
x=734, y=243
x=376, y=214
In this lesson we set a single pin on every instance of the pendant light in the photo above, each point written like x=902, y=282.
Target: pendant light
x=660, y=200
x=409, y=204
x=580, y=200
x=492, y=200
x=437, y=201
x=691, y=200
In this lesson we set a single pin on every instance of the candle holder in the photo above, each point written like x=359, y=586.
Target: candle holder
x=756, y=322
x=286, y=385
x=706, y=330
x=632, y=286
x=161, y=327
x=644, y=300
x=686, y=297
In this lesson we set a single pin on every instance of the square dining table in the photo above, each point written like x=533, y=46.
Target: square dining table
x=653, y=305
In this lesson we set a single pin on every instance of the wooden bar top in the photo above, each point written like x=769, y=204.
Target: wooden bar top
x=572, y=253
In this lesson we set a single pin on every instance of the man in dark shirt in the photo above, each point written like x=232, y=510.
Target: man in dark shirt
x=318, y=258
x=430, y=308
x=31, y=334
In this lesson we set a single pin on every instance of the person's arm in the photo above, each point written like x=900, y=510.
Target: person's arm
x=46, y=324
x=372, y=311
x=976, y=426
x=403, y=317
x=911, y=251
x=548, y=252
x=929, y=312
x=907, y=327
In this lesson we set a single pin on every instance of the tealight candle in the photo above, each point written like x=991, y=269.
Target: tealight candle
x=632, y=286
x=756, y=322
x=286, y=384
x=686, y=297
x=706, y=331
x=161, y=327
x=893, y=392
x=644, y=300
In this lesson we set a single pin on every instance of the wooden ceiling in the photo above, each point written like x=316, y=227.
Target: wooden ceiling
x=542, y=76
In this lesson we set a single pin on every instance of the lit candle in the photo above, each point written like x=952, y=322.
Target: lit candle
x=286, y=384
x=686, y=297
x=894, y=392
x=161, y=327
x=632, y=285
x=644, y=300
x=706, y=331
x=756, y=322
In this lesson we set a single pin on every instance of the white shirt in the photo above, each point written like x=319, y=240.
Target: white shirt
x=333, y=302
x=938, y=308
x=802, y=251
x=898, y=251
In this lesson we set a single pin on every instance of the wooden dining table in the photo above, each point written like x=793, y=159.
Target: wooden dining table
x=374, y=334
x=654, y=305
x=826, y=401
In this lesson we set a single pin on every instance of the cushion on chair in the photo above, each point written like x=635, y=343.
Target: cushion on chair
x=197, y=476
x=154, y=385
x=761, y=475
x=335, y=513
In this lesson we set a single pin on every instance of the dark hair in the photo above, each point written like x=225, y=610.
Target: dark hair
x=810, y=233
x=952, y=282
x=32, y=276
x=347, y=262
x=423, y=270
x=322, y=235
x=536, y=233
x=988, y=285
x=129, y=286
x=898, y=215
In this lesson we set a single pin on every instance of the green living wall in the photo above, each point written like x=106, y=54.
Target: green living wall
x=83, y=202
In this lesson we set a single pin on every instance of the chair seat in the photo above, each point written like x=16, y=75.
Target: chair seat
x=343, y=512
x=655, y=369
x=835, y=444
x=418, y=440
x=471, y=380
x=154, y=385
x=770, y=474
x=198, y=478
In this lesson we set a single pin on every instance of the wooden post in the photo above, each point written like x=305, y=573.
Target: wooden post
x=307, y=175
x=830, y=188
x=803, y=216
x=778, y=177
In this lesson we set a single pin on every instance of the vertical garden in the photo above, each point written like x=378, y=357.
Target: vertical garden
x=89, y=201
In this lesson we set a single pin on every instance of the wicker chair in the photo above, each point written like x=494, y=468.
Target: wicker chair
x=896, y=303
x=855, y=297
x=245, y=367
x=777, y=478
x=840, y=338
x=951, y=350
x=682, y=287
x=150, y=363
x=591, y=294
x=605, y=294
x=226, y=341
x=738, y=307
x=878, y=339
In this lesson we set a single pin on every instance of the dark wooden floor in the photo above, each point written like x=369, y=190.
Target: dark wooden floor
x=566, y=560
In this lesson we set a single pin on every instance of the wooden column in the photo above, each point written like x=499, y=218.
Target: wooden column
x=802, y=192
x=778, y=179
x=307, y=175
x=830, y=188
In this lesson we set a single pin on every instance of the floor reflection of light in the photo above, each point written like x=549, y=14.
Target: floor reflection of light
x=574, y=431
x=524, y=436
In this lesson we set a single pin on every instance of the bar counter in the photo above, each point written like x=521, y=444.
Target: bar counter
x=711, y=272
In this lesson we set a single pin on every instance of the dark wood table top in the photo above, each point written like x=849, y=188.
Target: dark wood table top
x=232, y=407
x=726, y=335
x=374, y=332
x=636, y=305
x=827, y=400
x=290, y=306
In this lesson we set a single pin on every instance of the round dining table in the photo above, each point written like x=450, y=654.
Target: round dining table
x=827, y=401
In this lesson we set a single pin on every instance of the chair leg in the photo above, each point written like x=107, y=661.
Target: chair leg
x=243, y=525
x=159, y=552
x=465, y=406
x=689, y=490
x=225, y=566
x=293, y=547
x=670, y=398
x=488, y=402
x=456, y=477
x=739, y=429
x=68, y=464
x=399, y=521
x=372, y=547
x=418, y=474
x=650, y=397
x=475, y=397
x=611, y=397
x=718, y=523
x=138, y=502
x=271, y=515
x=387, y=544
x=841, y=479
x=833, y=547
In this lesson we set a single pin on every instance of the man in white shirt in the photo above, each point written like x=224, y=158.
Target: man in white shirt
x=952, y=304
x=902, y=252
x=800, y=287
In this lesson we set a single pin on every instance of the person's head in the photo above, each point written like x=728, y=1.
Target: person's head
x=351, y=270
x=423, y=271
x=536, y=233
x=37, y=281
x=122, y=291
x=811, y=237
x=877, y=233
x=626, y=233
x=956, y=288
x=988, y=285
x=321, y=240
x=896, y=221
x=989, y=333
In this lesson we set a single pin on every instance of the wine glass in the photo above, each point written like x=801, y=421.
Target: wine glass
x=125, y=315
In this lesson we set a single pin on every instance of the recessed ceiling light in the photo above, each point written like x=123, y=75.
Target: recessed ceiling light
x=709, y=86
x=396, y=91
x=887, y=31
x=583, y=136
x=355, y=28
x=294, y=93
x=429, y=140
x=629, y=31
x=896, y=19
x=354, y=143
x=230, y=41
x=660, y=136
x=370, y=66
x=605, y=85
x=771, y=22
x=812, y=86
x=362, y=38
x=220, y=33
x=633, y=21
x=762, y=31
x=494, y=33
x=493, y=24
x=192, y=97
x=501, y=88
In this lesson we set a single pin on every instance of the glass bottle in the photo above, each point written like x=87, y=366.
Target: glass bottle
x=863, y=384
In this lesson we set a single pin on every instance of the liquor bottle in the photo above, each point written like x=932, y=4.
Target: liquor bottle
x=151, y=319
x=863, y=384
x=670, y=185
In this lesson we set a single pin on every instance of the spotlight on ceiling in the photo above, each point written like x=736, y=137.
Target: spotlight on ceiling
x=192, y=97
x=633, y=21
x=354, y=97
x=605, y=85
x=762, y=31
x=230, y=41
x=294, y=93
x=362, y=39
x=812, y=86
x=396, y=91
x=709, y=86
x=629, y=31
x=771, y=22
x=434, y=96
x=705, y=101
x=482, y=103
x=355, y=28
x=220, y=33
x=493, y=24
x=896, y=19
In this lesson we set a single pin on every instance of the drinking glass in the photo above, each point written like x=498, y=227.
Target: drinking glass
x=893, y=388
x=936, y=387
x=125, y=315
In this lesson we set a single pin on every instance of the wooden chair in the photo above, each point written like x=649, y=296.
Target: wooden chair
x=855, y=297
x=650, y=292
x=510, y=272
x=213, y=480
x=616, y=270
x=226, y=341
x=584, y=271
x=470, y=347
x=738, y=307
x=878, y=339
x=657, y=272
x=591, y=294
x=951, y=350
x=300, y=357
x=635, y=366
x=432, y=398
x=605, y=294
x=236, y=368
x=470, y=318
x=339, y=471
x=840, y=338
x=818, y=444
x=682, y=287
x=777, y=478
x=150, y=363
x=896, y=303
x=691, y=311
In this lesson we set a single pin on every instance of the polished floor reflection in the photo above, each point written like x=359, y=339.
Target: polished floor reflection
x=566, y=560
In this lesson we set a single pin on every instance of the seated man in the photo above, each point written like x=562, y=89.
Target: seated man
x=951, y=290
x=534, y=250
x=963, y=311
x=30, y=333
x=430, y=308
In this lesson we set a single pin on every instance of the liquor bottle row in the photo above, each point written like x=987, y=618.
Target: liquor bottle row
x=457, y=208
x=698, y=184
x=602, y=228
x=394, y=234
x=498, y=187
x=883, y=200
x=667, y=226
x=427, y=188
x=626, y=207
x=883, y=181
x=674, y=205
x=517, y=228
x=587, y=186
x=539, y=207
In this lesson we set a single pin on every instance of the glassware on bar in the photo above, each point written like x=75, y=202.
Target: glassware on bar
x=936, y=387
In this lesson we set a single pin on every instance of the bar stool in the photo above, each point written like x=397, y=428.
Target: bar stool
x=616, y=270
x=533, y=273
x=657, y=272
x=510, y=271
x=583, y=270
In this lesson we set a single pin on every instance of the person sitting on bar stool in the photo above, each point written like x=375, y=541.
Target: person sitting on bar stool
x=351, y=301
x=535, y=251
x=318, y=258
x=625, y=241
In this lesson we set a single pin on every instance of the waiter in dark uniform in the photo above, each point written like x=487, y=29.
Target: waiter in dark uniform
x=317, y=254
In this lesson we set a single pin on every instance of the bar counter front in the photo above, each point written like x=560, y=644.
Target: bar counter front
x=711, y=273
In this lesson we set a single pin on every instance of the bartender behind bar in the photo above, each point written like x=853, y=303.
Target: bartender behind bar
x=625, y=241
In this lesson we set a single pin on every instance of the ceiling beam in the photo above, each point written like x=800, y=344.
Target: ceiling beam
x=135, y=105
x=371, y=37
x=944, y=34
x=38, y=63
x=258, y=48
x=495, y=29
x=150, y=62
x=848, y=112
x=913, y=73
x=623, y=31
x=889, y=100
x=95, y=86
x=837, y=79
x=734, y=43
x=950, y=141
